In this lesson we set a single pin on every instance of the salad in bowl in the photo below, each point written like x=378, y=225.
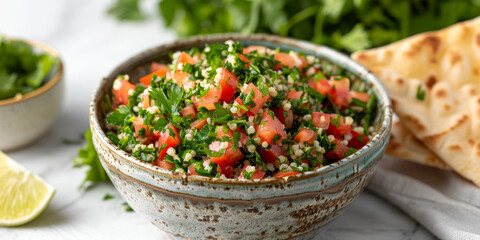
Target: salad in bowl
x=229, y=111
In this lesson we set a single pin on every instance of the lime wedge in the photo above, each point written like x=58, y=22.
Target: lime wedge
x=23, y=195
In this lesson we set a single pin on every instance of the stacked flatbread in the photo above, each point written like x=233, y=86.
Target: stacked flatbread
x=446, y=65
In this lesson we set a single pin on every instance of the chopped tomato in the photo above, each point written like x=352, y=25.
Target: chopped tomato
x=285, y=117
x=322, y=120
x=269, y=128
x=138, y=125
x=364, y=97
x=343, y=128
x=189, y=112
x=209, y=99
x=198, y=124
x=120, y=90
x=258, y=174
x=181, y=78
x=341, y=149
x=166, y=138
x=332, y=130
x=306, y=135
x=226, y=160
x=322, y=86
x=271, y=155
x=185, y=58
x=191, y=170
x=163, y=164
x=341, y=98
x=258, y=100
x=229, y=85
x=304, y=62
x=342, y=84
x=285, y=59
x=358, y=140
x=285, y=174
x=294, y=94
x=243, y=137
x=259, y=49
x=158, y=70
x=247, y=63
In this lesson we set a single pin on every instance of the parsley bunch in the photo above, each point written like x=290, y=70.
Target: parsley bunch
x=348, y=25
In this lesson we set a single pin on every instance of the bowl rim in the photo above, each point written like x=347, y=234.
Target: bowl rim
x=380, y=136
x=54, y=80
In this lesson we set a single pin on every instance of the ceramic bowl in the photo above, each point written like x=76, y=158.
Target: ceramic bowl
x=26, y=118
x=197, y=207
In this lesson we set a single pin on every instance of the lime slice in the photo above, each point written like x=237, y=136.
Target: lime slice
x=23, y=195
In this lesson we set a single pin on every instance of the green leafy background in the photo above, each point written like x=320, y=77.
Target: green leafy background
x=347, y=25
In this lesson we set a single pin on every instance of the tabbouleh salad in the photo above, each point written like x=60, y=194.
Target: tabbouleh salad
x=229, y=111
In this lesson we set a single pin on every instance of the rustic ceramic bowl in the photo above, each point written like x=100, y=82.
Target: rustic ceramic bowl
x=198, y=207
x=26, y=118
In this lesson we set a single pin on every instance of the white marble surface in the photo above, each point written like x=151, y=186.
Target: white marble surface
x=91, y=44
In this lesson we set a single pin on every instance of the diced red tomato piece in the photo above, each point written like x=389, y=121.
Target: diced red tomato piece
x=341, y=98
x=322, y=86
x=227, y=160
x=305, y=135
x=343, y=128
x=332, y=130
x=294, y=94
x=229, y=85
x=271, y=155
x=358, y=140
x=322, y=120
x=285, y=59
x=163, y=164
x=181, y=78
x=189, y=112
x=304, y=62
x=191, y=170
x=285, y=174
x=198, y=124
x=341, y=149
x=138, y=125
x=340, y=85
x=209, y=99
x=185, y=58
x=285, y=120
x=269, y=128
x=166, y=138
x=364, y=97
x=120, y=90
x=158, y=69
x=257, y=98
x=259, y=49
x=258, y=174
x=243, y=137
x=247, y=62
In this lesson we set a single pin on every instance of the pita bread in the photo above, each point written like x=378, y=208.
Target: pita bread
x=405, y=146
x=446, y=64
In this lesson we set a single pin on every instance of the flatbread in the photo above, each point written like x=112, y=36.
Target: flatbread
x=405, y=146
x=446, y=64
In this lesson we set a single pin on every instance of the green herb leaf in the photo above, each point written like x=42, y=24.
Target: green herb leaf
x=88, y=157
x=420, y=93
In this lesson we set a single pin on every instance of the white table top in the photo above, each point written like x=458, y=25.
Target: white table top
x=91, y=44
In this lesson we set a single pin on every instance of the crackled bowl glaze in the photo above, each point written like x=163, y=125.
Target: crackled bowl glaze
x=26, y=118
x=197, y=207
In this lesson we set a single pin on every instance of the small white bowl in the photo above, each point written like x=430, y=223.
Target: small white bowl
x=26, y=118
